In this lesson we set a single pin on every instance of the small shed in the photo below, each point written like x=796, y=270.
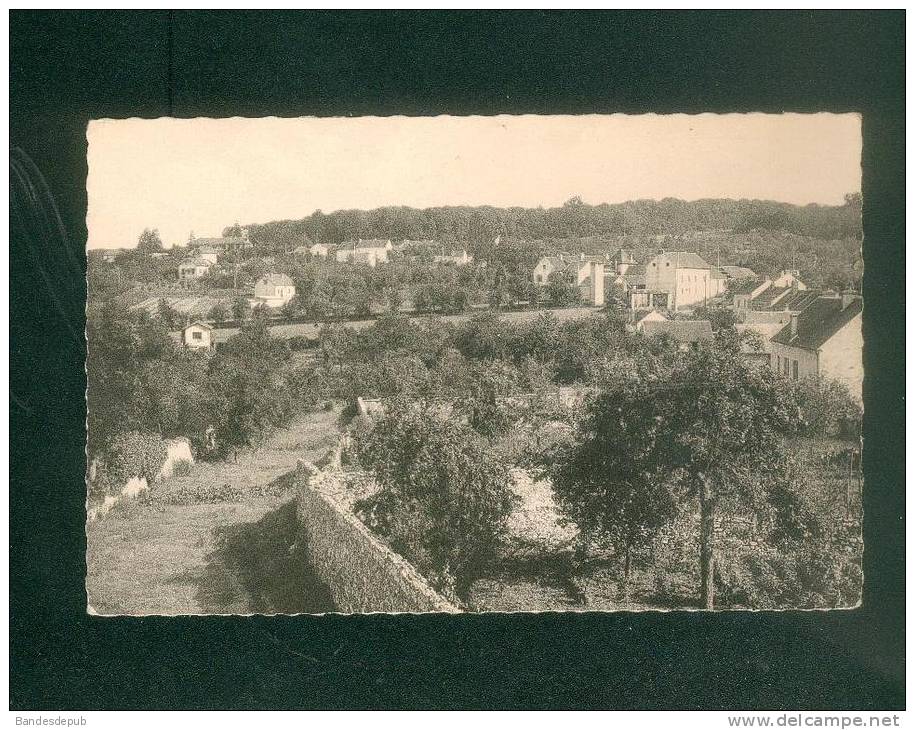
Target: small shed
x=197, y=336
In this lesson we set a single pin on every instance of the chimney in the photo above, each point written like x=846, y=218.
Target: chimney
x=793, y=325
x=847, y=298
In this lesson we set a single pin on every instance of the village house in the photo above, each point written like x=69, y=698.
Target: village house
x=623, y=260
x=274, y=290
x=686, y=333
x=824, y=339
x=197, y=336
x=456, y=257
x=318, y=249
x=369, y=251
x=683, y=276
x=786, y=291
x=587, y=273
x=193, y=268
x=207, y=253
x=640, y=317
x=735, y=273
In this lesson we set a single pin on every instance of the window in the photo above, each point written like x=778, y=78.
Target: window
x=197, y=335
x=778, y=367
x=794, y=370
x=787, y=365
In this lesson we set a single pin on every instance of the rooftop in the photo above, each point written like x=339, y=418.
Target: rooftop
x=682, y=330
x=275, y=280
x=817, y=323
x=738, y=272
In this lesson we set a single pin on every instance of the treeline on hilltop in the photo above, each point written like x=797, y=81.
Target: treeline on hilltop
x=474, y=226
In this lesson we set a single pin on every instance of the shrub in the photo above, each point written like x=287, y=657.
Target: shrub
x=134, y=454
x=444, y=497
x=181, y=468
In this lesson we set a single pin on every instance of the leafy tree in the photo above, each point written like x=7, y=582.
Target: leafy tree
x=246, y=394
x=240, y=309
x=561, y=289
x=219, y=312
x=827, y=407
x=714, y=428
x=444, y=497
x=609, y=481
x=169, y=315
x=149, y=241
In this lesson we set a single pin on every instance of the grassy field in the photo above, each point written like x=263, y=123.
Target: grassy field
x=220, y=540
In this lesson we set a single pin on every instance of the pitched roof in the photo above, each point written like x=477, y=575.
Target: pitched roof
x=738, y=272
x=687, y=260
x=745, y=286
x=799, y=300
x=195, y=261
x=818, y=322
x=197, y=323
x=275, y=280
x=718, y=273
x=681, y=330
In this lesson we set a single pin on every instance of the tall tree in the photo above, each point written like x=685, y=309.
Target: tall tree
x=149, y=241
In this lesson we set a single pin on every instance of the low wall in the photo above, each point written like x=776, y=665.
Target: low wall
x=362, y=574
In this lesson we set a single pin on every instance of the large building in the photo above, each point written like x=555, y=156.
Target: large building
x=824, y=339
x=684, y=277
x=370, y=251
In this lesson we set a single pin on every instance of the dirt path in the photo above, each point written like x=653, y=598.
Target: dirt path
x=221, y=540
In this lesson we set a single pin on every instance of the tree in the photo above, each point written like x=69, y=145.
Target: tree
x=149, y=241
x=218, y=312
x=240, y=308
x=561, y=289
x=608, y=481
x=444, y=497
x=169, y=315
x=711, y=432
x=720, y=429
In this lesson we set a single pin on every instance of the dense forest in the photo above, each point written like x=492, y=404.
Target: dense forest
x=476, y=226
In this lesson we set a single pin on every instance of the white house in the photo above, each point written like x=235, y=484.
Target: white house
x=640, y=318
x=369, y=251
x=824, y=339
x=318, y=249
x=586, y=272
x=274, y=290
x=208, y=253
x=684, y=276
x=458, y=258
x=193, y=268
x=197, y=336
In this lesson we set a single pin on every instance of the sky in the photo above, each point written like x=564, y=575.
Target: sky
x=201, y=175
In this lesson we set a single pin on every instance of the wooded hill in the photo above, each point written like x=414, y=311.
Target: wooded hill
x=470, y=226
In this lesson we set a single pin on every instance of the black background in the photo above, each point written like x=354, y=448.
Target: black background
x=67, y=67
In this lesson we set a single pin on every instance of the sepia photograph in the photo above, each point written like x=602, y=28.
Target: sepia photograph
x=473, y=364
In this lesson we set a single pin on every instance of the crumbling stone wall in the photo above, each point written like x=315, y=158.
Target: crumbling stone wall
x=362, y=574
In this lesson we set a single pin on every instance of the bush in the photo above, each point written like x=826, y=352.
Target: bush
x=134, y=454
x=827, y=408
x=444, y=497
x=181, y=468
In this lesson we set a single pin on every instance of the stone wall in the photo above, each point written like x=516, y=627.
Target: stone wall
x=362, y=574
